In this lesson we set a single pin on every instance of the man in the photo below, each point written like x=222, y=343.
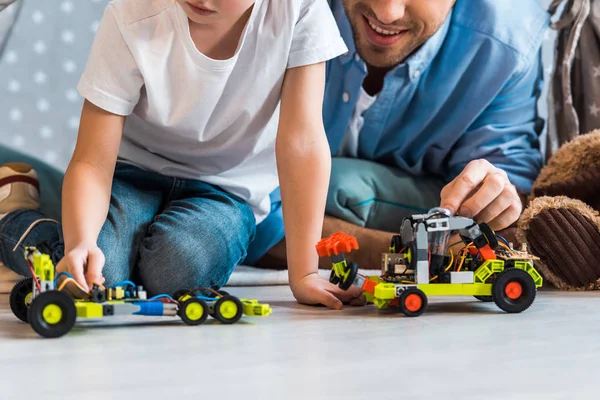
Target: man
x=434, y=104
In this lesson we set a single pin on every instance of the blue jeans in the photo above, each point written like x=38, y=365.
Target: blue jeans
x=166, y=233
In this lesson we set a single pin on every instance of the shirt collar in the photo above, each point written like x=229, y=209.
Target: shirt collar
x=417, y=63
x=422, y=58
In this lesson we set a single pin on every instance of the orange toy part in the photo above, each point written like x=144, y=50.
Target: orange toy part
x=336, y=244
x=413, y=302
x=513, y=290
x=487, y=253
x=369, y=286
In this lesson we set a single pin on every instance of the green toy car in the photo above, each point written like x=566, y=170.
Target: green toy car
x=421, y=263
x=51, y=305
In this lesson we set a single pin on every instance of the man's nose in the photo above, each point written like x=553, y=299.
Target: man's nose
x=389, y=11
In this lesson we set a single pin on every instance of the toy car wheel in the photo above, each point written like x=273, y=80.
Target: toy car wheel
x=410, y=255
x=489, y=235
x=513, y=290
x=21, y=297
x=180, y=293
x=193, y=311
x=485, y=299
x=228, y=310
x=346, y=283
x=52, y=314
x=396, y=244
x=413, y=302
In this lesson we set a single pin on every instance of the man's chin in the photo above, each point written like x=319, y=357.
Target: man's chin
x=385, y=58
x=379, y=58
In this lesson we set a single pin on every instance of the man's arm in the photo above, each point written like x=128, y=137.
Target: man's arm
x=499, y=157
x=304, y=166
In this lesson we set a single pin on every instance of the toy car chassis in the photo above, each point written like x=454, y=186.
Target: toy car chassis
x=421, y=264
x=51, y=306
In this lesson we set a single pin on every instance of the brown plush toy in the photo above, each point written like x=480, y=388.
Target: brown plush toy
x=561, y=224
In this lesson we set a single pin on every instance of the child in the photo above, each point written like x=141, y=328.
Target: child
x=192, y=110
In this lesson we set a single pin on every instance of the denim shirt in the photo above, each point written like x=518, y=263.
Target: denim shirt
x=469, y=92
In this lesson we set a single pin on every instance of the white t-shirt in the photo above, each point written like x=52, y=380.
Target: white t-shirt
x=190, y=116
x=349, y=147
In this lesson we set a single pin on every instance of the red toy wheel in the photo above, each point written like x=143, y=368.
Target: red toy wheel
x=413, y=302
x=513, y=290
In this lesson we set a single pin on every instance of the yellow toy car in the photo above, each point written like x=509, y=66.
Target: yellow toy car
x=51, y=305
x=421, y=263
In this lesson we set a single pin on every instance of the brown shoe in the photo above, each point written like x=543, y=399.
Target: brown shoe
x=565, y=234
x=19, y=188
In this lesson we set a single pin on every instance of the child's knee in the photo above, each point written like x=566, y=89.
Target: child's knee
x=118, y=263
x=27, y=228
x=175, y=270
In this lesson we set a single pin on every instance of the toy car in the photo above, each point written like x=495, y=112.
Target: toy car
x=51, y=308
x=421, y=264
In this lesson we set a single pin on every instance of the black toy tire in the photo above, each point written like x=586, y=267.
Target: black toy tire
x=180, y=293
x=410, y=292
x=396, y=244
x=333, y=278
x=412, y=247
x=227, y=320
x=17, y=297
x=489, y=234
x=68, y=314
x=485, y=299
x=347, y=283
x=183, y=315
x=527, y=287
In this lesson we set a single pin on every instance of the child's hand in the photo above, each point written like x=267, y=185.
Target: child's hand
x=85, y=263
x=312, y=289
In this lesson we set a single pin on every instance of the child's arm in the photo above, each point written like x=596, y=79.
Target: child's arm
x=86, y=193
x=304, y=164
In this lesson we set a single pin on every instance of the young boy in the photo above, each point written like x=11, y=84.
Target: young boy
x=193, y=108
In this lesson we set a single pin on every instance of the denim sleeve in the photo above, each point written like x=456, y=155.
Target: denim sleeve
x=507, y=132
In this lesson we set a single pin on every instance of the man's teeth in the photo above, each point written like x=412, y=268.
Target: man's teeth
x=383, y=31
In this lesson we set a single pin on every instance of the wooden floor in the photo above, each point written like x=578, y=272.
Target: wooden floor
x=461, y=350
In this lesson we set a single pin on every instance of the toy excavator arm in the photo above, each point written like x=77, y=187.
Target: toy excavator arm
x=343, y=273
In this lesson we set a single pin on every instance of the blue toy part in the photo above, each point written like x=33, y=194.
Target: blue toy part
x=149, y=308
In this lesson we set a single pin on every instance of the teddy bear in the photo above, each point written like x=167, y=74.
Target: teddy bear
x=561, y=223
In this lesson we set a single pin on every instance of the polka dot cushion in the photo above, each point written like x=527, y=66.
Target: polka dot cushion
x=40, y=66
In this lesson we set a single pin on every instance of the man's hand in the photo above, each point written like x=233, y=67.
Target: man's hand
x=484, y=193
x=312, y=289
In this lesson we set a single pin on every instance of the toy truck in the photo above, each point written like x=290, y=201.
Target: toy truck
x=421, y=263
x=51, y=306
